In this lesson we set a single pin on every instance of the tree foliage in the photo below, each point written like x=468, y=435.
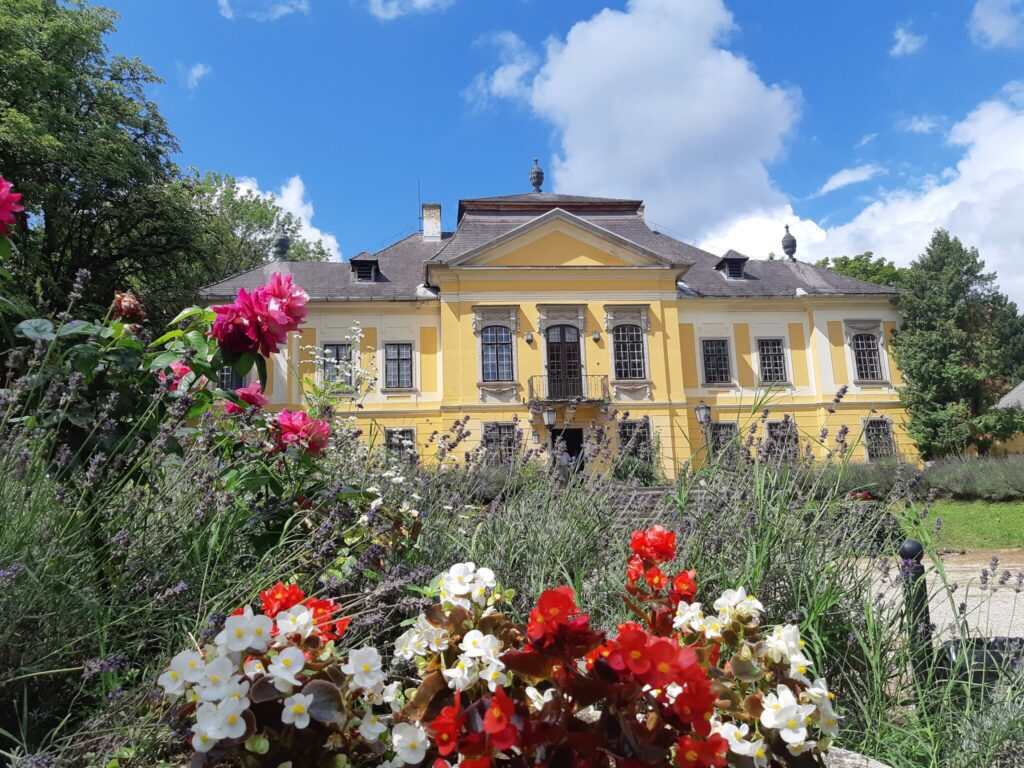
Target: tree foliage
x=94, y=158
x=864, y=267
x=960, y=349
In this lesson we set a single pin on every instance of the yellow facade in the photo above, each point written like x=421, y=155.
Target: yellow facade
x=560, y=271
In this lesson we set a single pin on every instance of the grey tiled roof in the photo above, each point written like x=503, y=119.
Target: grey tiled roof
x=400, y=265
x=1013, y=399
x=482, y=220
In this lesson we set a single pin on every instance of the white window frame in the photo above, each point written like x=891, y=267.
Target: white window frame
x=616, y=315
x=389, y=431
x=796, y=433
x=414, y=358
x=864, y=438
x=730, y=351
x=506, y=316
x=786, y=359
x=514, y=449
x=639, y=424
x=711, y=433
x=853, y=328
x=351, y=379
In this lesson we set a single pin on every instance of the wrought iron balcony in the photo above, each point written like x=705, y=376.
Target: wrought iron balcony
x=546, y=388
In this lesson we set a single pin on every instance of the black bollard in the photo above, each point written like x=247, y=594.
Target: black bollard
x=915, y=598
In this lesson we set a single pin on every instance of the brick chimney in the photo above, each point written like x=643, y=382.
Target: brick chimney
x=431, y=222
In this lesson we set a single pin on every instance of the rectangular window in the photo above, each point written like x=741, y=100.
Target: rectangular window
x=337, y=362
x=721, y=436
x=229, y=379
x=771, y=355
x=878, y=440
x=501, y=441
x=782, y=440
x=628, y=346
x=496, y=353
x=866, y=358
x=716, y=361
x=401, y=442
x=398, y=366
x=635, y=439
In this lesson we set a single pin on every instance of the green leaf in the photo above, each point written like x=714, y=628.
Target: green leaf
x=261, y=369
x=244, y=364
x=185, y=314
x=77, y=328
x=257, y=744
x=6, y=248
x=161, y=361
x=167, y=337
x=34, y=329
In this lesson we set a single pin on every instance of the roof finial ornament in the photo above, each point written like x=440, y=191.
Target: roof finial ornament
x=280, y=247
x=536, y=175
x=789, y=245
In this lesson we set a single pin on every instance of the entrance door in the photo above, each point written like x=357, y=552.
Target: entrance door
x=567, y=448
x=564, y=373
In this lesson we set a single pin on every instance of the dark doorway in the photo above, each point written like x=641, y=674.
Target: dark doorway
x=567, y=448
x=565, y=378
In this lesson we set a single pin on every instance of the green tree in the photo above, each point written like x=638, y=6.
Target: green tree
x=93, y=157
x=960, y=349
x=864, y=267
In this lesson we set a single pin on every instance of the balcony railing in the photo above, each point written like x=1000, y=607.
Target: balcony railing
x=557, y=388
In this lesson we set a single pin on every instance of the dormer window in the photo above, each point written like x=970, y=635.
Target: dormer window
x=365, y=270
x=732, y=266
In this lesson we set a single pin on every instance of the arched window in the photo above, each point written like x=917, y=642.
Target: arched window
x=628, y=343
x=496, y=353
x=866, y=359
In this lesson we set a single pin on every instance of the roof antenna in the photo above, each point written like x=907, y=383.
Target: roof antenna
x=536, y=175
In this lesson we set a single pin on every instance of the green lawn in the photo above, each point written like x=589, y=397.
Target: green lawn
x=980, y=524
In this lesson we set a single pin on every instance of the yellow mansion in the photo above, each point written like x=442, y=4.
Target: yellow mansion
x=544, y=315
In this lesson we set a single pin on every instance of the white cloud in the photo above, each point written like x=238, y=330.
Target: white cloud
x=196, y=73
x=509, y=80
x=918, y=124
x=648, y=102
x=292, y=198
x=263, y=10
x=866, y=139
x=906, y=42
x=848, y=176
x=387, y=10
x=997, y=23
x=979, y=200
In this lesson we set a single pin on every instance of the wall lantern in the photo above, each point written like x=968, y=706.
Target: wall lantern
x=703, y=412
x=529, y=337
x=596, y=335
x=548, y=415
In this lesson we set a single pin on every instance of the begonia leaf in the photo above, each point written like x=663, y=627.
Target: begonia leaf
x=326, y=705
x=432, y=684
x=529, y=664
x=263, y=690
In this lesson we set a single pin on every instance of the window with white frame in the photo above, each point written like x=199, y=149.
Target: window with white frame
x=717, y=368
x=501, y=441
x=628, y=349
x=398, y=366
x=229, y=379
x=496, y=353
x=867, y=359
x=635, y=439
x=401, y=441
x=771, y=359
x=337, y=363
x=782, y=440
x=878, y=441
x=721, y=435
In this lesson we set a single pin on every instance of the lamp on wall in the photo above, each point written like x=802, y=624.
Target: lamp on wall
x=529, y=337
x=596, y=335
x=703, y=412
x=548, y=416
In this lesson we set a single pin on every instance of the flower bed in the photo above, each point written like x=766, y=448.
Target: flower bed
x=678, y=686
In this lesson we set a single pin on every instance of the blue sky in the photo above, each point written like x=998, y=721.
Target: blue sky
x=863, y=125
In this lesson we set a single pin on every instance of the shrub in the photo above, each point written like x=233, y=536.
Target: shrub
x=984, y=478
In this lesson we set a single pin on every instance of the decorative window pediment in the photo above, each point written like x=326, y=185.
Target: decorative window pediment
x=505, y=314
x=562, y=314
x=622, y=314
x=854, y=327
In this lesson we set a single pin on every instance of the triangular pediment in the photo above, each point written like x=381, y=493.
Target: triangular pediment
x=560, y=239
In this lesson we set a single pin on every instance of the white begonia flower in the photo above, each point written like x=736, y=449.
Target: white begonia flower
x=711, y=626
x=296, y=620
x=364, y=667
x=286, y=665
x=538, y=699
x=238, y=690
x=389, y=693
x=296, y=710
x=218, y=679
x=410, y=743
x=785, y=714
x=208, y=721
x=254, y=668
x=410, y=644
x=246, y=631
x=190, y=665
x=370, y=727
x=740, y=745
x=202, y=740
x=494, y=675
x=462, y=674
x=799, y=749
x=688, y=616
x=172, y=682
x=737, y=604
x=477, y=645
x=435, y=637
x=486, y=577
x=459, y=581
x=376, y=504
x=819, y=695
x=229, y=714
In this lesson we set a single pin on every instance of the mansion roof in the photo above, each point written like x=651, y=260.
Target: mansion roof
x=402, y=266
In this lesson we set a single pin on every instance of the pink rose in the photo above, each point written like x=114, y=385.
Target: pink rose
x=296, y=428
x=252, y=394
x=9, y=206
x=260, y=321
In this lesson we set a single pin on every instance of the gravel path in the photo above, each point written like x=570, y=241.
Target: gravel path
x=990, y=612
